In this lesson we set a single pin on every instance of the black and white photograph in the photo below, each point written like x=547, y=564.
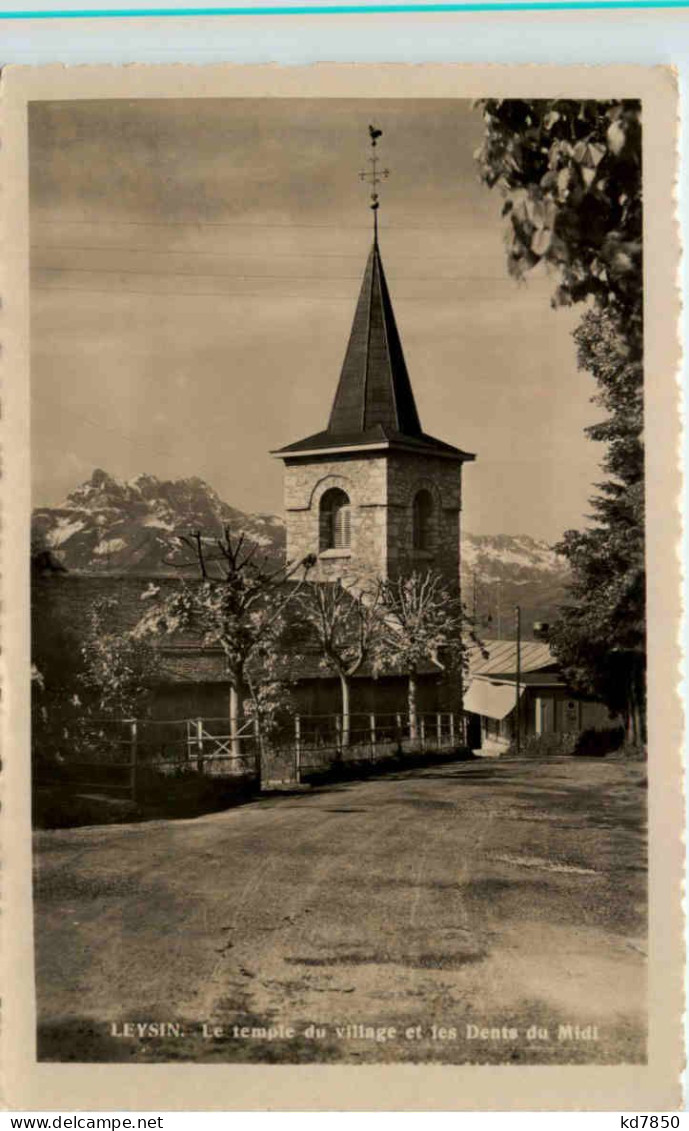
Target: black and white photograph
x=340, y=727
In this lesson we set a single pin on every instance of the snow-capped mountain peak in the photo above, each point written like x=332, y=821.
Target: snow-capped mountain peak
x=498, y=552
x=111, y=525
x=129, y=526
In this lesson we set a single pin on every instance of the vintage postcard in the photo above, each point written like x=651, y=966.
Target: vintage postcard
x=341, y=566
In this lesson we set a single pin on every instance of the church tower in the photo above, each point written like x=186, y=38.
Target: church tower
x=372, y=493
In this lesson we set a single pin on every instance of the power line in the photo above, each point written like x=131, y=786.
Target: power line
x=265, y=295
x=118, y=292
x=314, y=278
x=252, y=224
x=228, y=254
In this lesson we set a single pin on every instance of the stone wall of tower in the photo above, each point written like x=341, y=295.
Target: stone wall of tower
x=364, y=479
x=381, y=490
x=409, y=473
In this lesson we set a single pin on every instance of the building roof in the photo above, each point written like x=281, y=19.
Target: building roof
x=502, y=658
x=377, y=437
x=494, y=700
x=374, y=386
x=540, y=679
x=374, y=403
x=62, y=604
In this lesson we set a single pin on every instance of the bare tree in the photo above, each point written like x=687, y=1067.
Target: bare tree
x=343, y=620
x=423, y=623
x=239, y=606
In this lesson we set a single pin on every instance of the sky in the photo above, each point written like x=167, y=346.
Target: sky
x=195, y=268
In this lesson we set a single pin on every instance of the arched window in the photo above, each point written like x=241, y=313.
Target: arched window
x=422, y=518
x=335, y=520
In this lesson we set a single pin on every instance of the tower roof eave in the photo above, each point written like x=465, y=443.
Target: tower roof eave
x=374, y=439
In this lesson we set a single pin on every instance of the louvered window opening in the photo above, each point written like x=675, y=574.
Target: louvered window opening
x=335, y=521
x=422, y=520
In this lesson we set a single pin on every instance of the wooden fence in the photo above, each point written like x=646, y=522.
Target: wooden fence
x=124, y=756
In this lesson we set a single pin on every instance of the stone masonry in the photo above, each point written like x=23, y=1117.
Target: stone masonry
x=381, y=489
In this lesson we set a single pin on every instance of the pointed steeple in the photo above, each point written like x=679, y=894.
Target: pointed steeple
x=374, y=405
x=374, y=387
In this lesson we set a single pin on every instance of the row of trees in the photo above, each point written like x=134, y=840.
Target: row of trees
x=571, y=177
x=266, y=620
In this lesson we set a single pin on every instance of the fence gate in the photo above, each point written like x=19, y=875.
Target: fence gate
x=207, y=748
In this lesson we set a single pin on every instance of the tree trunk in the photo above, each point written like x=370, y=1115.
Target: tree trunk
x=258, y=739
x=635, y=713
x=634, y=710
x=637, y=725
x=235, y=721
x=238, y=693
x=640, y=704
x=344, y=685
x=630, y=712
x=627, y=720
x=411, y=706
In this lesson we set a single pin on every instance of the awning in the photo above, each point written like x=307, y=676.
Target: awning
x=494, y=700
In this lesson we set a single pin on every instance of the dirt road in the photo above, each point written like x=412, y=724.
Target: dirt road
x=428, y=915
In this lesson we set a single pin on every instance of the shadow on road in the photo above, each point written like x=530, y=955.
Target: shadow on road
x=60, y=806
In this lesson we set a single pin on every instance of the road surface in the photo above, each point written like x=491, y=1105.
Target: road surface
x=470, y=912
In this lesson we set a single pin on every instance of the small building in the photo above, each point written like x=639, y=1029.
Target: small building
x=546, y=704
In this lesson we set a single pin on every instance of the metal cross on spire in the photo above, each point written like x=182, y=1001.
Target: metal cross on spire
x=374, y=175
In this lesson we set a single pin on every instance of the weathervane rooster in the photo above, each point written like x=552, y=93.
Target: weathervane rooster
x=374, y=175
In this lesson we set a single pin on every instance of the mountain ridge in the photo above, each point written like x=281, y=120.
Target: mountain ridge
x=107, y=525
